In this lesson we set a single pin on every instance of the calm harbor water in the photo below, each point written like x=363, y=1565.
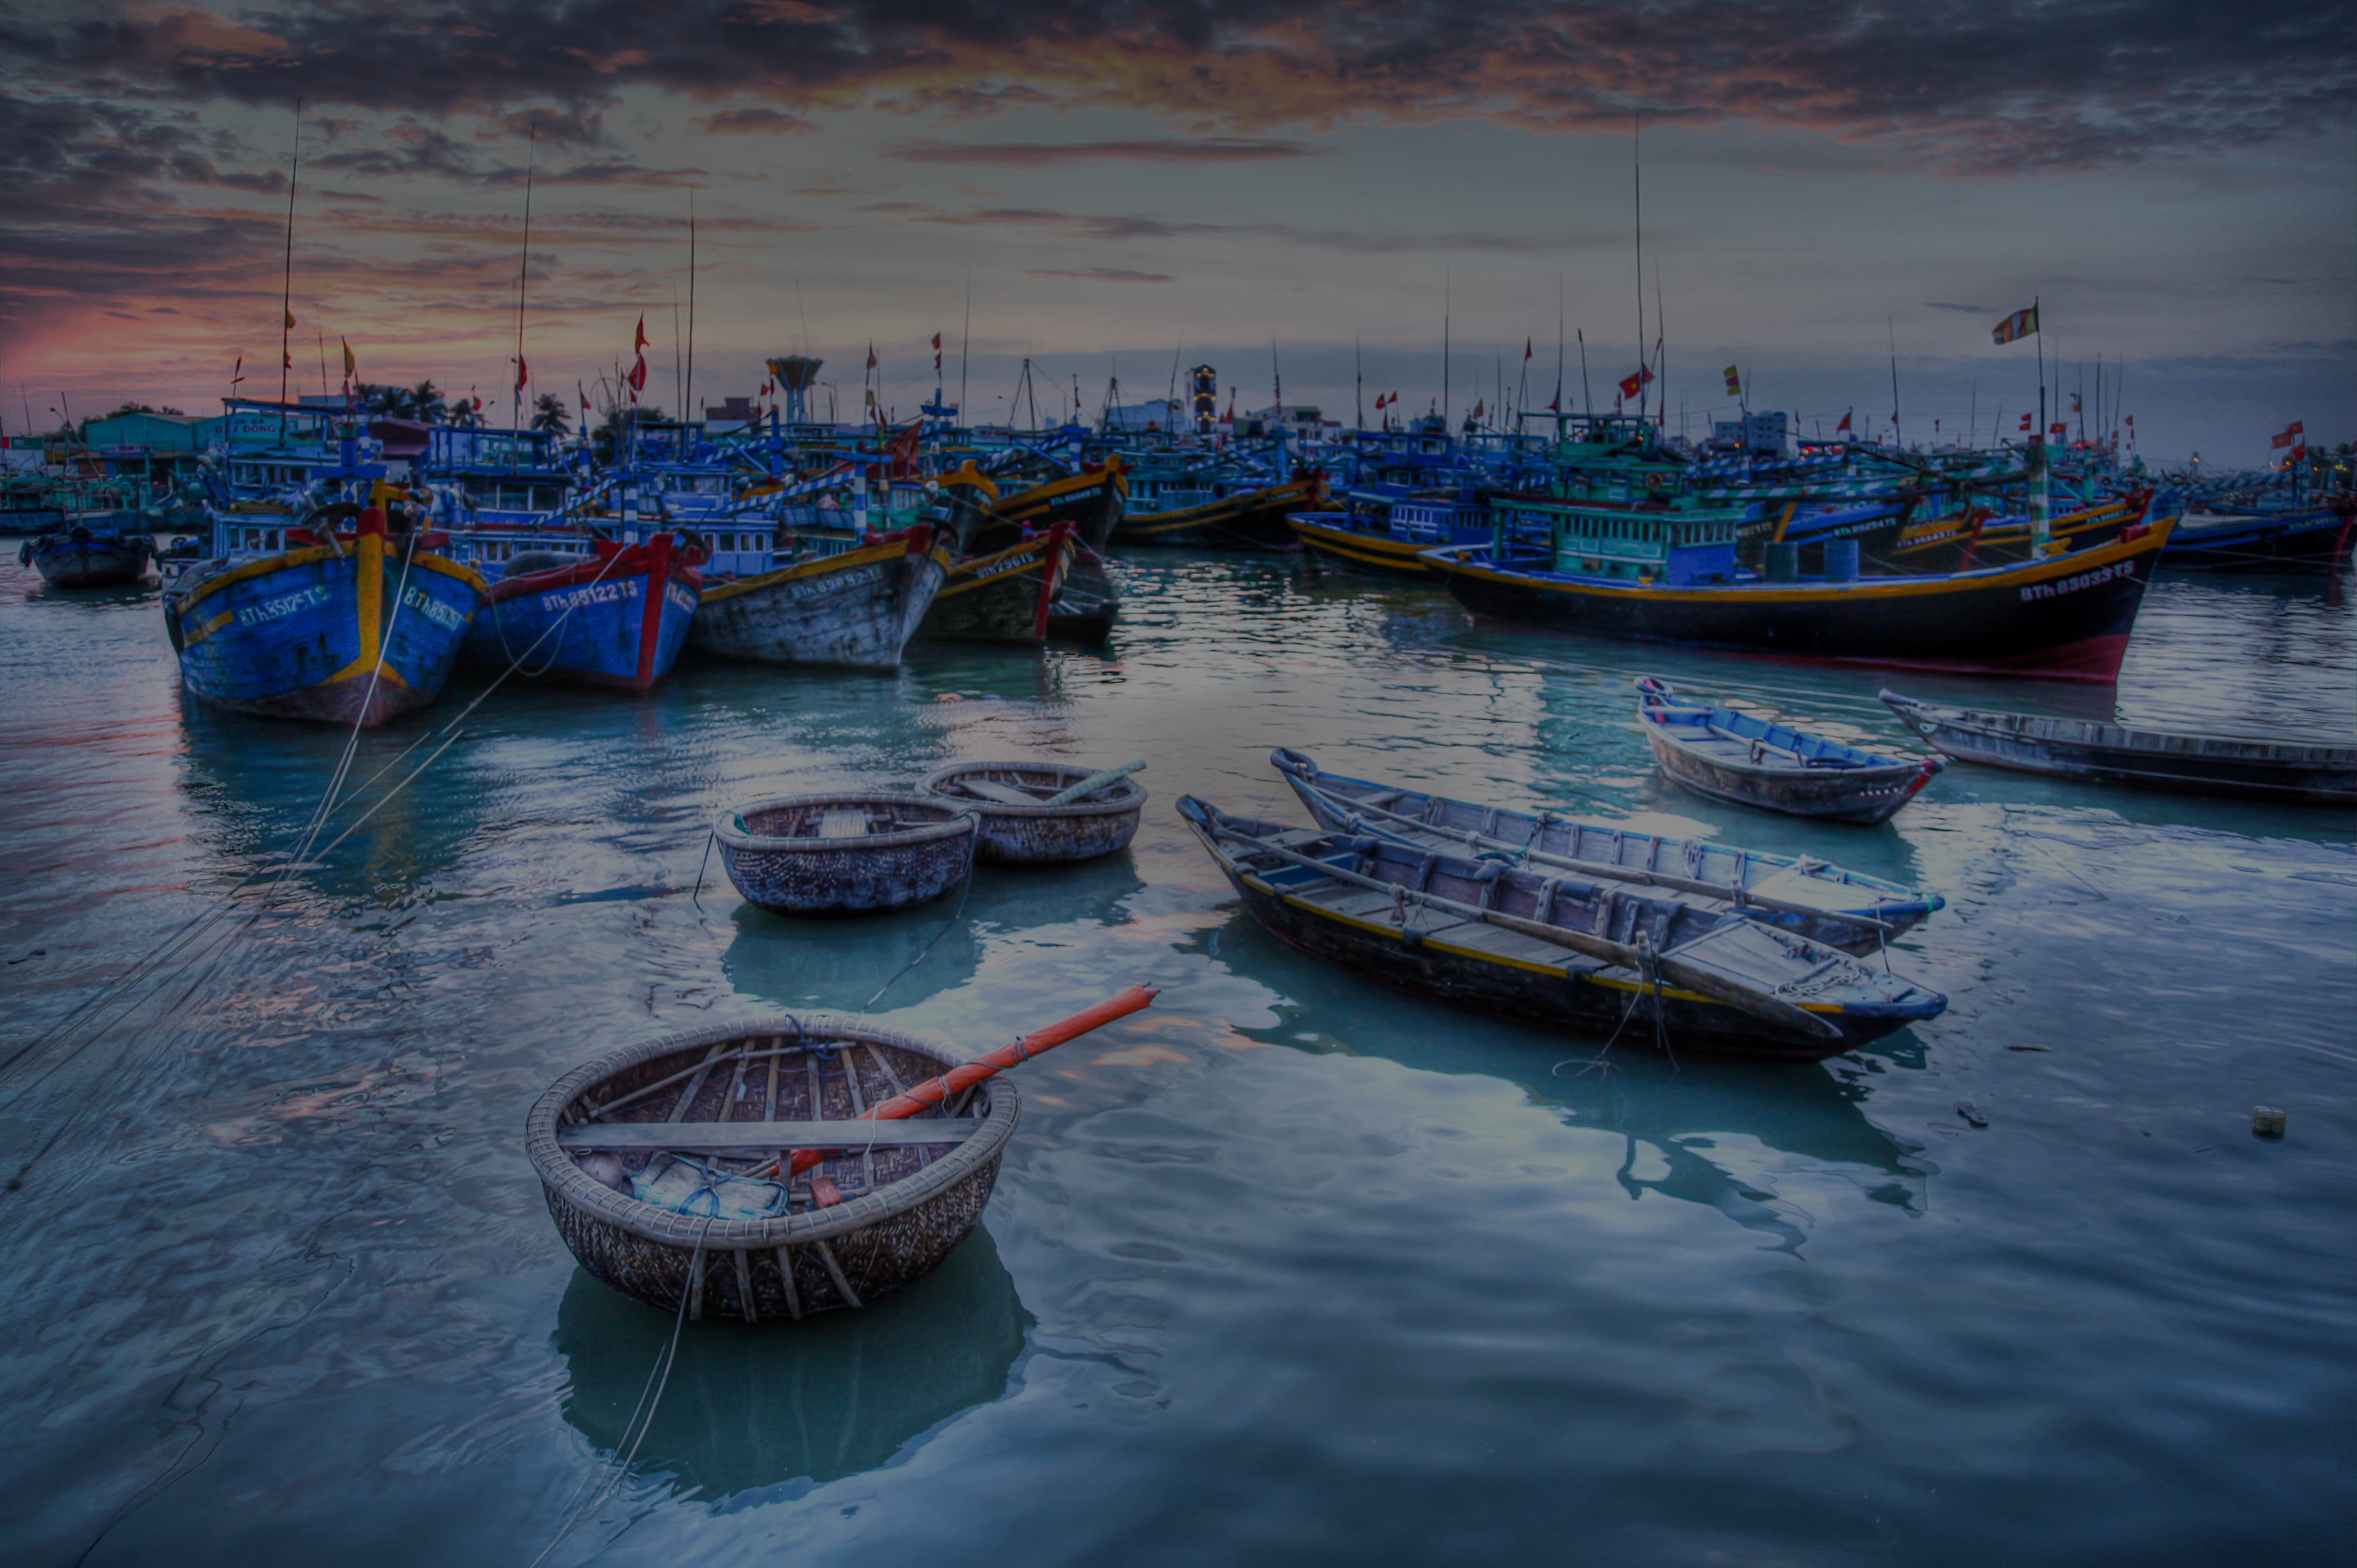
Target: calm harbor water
x=1286, y=1269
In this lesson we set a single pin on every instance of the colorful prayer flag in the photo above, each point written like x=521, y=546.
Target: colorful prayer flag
x=1734, y=382
x=350, y=365
x=2020, y=324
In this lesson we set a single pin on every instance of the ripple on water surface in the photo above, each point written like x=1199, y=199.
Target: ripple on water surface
x=1287, y=1268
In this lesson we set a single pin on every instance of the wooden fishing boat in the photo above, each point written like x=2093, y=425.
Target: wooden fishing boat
x=1088, y=603
x=779, y=1168
x=346, y=629
x=84, y=556
x=625, y=1144
x=616, y=617
x=1005, y=597
x=1824, y=902
x=1730, y=755
x=1394, y=542
x=1669, y=576
x=2307, y=539
x=1589, y=954
x=2149, y=759
x=857, y=606
x=845, y=855
x=1019, y=827
x=1246, y=519
x=1090, y=500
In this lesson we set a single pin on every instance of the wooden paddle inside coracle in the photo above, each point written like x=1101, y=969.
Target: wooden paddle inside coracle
x=934, y=1090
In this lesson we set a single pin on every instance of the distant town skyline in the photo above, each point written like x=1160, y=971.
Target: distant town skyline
x=1124, y=190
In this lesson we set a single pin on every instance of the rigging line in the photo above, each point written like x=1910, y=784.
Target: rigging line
x=659, y=1377
x=173, y=945
x=80, y=1017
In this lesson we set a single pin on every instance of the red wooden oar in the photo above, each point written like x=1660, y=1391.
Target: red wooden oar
x=934, y=1090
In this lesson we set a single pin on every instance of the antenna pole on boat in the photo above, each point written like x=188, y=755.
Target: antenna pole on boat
x=287, y=287
x=1358, y=384
x=1660, y=353
x=1586, y=396
x=1558, y=355
x=523, y=264
x=1637, y=188
x=1890, y=324
x=1444, y=351
x=966, y=341
x=687, y=396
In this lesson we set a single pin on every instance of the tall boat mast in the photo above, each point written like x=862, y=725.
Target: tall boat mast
x=524, y=265
x=1637, y=188
x=287, y=287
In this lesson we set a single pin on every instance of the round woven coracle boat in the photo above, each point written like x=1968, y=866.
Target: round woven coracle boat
x=845, y=855
x=653, y=1159
x=1016, y=833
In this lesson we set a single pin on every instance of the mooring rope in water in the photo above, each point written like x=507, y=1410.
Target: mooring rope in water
x=650, y=1400
x=89, y=1012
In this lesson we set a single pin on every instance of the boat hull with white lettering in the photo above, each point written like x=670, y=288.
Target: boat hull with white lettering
x=347, y=631
x=2063, y=618
x=857, y=607
x=1005, y=597
x=615, y=619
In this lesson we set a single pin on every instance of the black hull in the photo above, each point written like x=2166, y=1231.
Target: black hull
x=1571, y=1002
x=2067, y=619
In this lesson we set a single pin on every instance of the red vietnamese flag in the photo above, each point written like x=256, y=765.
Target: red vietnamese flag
x=637, y=378
x=1526, y=349
x=1557, y=406
x=238, y=374
x=1629, y=385
x=1843, y=426
x=2027, y=422
x=524, y=372
x=2058, y=430
x=2291, y=436
x=639, y=346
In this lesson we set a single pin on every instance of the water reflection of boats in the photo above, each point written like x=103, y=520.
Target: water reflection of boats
x=841, y=1393
x=1696, y=1121
x=797, y=963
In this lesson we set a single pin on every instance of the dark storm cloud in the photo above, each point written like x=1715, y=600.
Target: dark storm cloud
x=1120, y=226
x=1967, y=84
x=1967, y=309
x=1047, y=155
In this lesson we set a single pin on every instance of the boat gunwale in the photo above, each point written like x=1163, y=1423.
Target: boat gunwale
x=565, y=1179
x=959, y=823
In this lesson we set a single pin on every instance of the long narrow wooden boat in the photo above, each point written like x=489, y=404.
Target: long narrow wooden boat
x=2318, y=537
x=1247, y=520
x=845, y=855
x=2149, y=759
x=1730, y=755
x=1823, y=903
x=351, y=629
x=1017, y=827
x=858, y=607
x=616, y=617
x=646, y=1156
x=1090, y=500
x=84, y=556
x=2065, y=616
x=1975, y=536
x=1005, y=597
x=1393, y=542
x=1589, y=954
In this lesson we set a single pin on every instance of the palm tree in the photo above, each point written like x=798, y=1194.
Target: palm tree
x=425, y=403
x=550, y=414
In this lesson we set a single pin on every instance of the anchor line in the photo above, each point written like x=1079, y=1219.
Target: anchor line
x=199, y=925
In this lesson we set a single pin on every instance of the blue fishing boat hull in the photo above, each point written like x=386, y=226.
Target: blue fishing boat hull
x=592, y=624
x=325, y=633
x=2302, y=540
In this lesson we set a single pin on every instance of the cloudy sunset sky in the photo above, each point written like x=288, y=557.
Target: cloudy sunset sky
x=1123, y=187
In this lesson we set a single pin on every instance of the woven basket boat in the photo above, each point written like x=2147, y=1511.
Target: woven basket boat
x=733, y=1096
x=1014, y=834
x=845, y=855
